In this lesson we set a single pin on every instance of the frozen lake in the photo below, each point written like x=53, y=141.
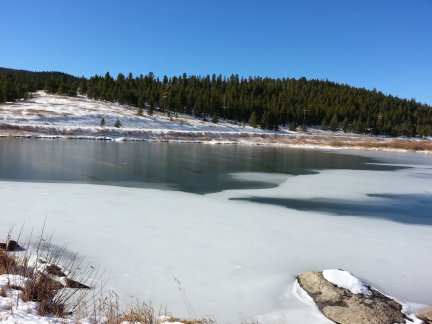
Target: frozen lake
x=234, y=224
x=191, y=168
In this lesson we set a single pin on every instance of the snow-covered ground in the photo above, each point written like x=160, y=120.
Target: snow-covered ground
x=53, y=116
x=234, y=259
x=72, y=113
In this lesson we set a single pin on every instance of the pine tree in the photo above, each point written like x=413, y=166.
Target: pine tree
x=83, y=87
x=117, y=124
x=151, y=108
x=2, y=95
x=253, y=120
x=334, y=123
x=345, y=124
x=293, y=126
x=102, y=122
x=215, y=118
x=324, y=124
x=61, y=89
x=265, y=120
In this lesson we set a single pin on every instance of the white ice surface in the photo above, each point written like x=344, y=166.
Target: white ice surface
x=235, y=260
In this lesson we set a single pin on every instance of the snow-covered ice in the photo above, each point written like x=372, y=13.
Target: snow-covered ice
x=235, y=260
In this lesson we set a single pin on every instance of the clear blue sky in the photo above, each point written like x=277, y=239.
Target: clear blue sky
x=386, y=44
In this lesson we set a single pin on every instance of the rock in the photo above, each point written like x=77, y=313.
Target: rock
x=342, y=306
x=42, y=288
x=426, y=315
x=11, y=245
x=55, y=270
x=75, y=284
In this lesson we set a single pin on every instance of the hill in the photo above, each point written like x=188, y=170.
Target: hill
x=261, y=102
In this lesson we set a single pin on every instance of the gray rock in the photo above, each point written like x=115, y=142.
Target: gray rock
x=55, y=270
x=11, y=245
x=70, y=283
x=342, y=306
x=426, y=315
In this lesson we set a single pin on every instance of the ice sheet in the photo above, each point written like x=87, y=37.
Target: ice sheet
x=234, y=260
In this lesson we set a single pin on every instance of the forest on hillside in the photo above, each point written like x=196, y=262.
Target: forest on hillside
x=261, y=102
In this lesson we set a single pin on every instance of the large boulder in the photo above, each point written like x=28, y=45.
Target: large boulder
x=426, y=315
x=350, y=302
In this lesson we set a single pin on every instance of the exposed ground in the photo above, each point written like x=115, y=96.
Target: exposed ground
x=52, y=116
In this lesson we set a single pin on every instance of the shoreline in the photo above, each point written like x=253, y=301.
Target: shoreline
x=299, y=140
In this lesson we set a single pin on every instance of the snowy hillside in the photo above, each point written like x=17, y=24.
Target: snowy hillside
x=53, y=114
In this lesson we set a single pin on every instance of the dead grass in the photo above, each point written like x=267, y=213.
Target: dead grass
x=409, y=145
x=45, y=276
x=191, y=321
x=7, y=263
x=44, y=113
x=43, y=289
x=137, y=313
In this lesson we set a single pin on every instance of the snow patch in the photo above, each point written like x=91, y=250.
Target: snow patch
x=344, y=279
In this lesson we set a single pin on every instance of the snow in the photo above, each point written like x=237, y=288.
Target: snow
x=236, y=260
x=344, y=279
x=11, y=279
x=69, y=113
x=311, y=314
x=54, y=116
x=14, y=310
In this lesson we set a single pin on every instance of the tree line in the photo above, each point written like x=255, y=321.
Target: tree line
x=260, y=102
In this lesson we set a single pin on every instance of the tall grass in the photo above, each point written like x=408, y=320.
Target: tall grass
x=57, y=293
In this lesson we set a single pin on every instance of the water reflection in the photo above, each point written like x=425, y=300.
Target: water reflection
x=192, y=168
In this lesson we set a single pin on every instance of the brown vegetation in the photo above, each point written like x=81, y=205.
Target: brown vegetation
x=7, y=263
x=298, y=139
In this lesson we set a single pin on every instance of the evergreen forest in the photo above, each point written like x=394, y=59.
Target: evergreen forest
x=261, y=102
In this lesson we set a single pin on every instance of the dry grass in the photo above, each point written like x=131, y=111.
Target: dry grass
x=190, y=321
x=44, y=113
x=409, y=145
x=45, y=286
x=43, y=290
x=7, y=263
x=137, y=313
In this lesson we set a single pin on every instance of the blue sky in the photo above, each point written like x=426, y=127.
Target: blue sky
x=386, y=44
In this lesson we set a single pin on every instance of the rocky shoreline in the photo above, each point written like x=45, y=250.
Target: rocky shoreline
x=302, y=140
